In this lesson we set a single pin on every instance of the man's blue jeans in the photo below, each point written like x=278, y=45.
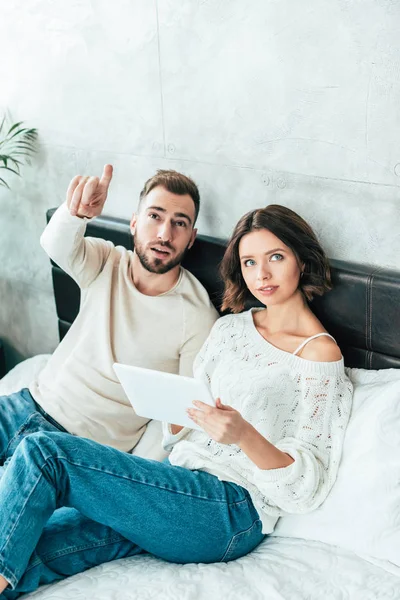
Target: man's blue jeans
x=20, y=416
x=127, y=505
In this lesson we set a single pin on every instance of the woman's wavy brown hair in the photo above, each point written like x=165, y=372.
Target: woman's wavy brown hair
x=295, y=233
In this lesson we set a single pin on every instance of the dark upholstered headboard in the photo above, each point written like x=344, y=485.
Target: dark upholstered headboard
x=362, y=311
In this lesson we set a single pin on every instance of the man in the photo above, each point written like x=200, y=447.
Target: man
x=140, y=308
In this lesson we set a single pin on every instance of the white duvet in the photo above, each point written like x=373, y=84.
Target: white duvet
x=279, y=569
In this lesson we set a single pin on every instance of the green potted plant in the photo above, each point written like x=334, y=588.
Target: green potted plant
x=16, y=146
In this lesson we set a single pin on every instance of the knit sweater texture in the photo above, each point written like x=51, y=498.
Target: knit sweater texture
x=300, y=406
x=116, y=323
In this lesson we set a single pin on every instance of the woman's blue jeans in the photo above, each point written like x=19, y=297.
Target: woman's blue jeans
x=127, y=505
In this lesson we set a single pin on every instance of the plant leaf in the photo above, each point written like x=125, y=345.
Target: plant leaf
x=26, y=146
x=15, y=153
x=10, y=169
x=2, y=182
x=5, y=158
x=19, y=132
x=18, y=142
x=15, y=161
x=14, y=127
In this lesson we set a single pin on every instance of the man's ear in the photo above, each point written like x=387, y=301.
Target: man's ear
x=132, y=224
x=192, y=238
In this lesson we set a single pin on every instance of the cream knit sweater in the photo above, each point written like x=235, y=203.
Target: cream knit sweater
x=300, y=406
x=116, y=323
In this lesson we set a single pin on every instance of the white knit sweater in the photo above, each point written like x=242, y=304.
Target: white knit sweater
x=300, y=406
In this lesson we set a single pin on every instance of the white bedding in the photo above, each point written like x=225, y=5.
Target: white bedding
x=279, y=569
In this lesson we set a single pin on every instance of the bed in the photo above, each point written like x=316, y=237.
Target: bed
x=349, y=549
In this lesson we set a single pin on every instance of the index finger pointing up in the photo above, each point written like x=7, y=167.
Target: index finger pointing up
x=107, y=176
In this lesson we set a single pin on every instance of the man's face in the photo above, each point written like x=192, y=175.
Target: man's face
x=163, y=229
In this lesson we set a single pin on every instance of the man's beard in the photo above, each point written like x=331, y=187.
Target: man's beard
x=157, y=265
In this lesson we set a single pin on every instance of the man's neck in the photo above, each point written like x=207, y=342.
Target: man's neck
x=152, y=284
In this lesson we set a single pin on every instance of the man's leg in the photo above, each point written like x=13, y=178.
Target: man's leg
x=19, y=417
x=171, y=512
x=15, y=411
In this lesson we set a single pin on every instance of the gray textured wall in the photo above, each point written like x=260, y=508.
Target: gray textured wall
x=287, y=101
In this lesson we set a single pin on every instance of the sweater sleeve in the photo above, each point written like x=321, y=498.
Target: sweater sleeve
x=195, y=334
x=316, y=447
x=64, y=242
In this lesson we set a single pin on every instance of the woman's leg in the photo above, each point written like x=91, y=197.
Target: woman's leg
x=171, y=512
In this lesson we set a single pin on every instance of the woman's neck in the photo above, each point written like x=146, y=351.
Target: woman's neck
x=285, y=318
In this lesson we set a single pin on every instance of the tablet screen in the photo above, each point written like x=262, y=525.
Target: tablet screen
x=162, y=396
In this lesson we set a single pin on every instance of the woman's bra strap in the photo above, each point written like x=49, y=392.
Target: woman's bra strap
x=312, y=338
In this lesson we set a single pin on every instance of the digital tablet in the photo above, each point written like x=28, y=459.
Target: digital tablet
x=162, y=396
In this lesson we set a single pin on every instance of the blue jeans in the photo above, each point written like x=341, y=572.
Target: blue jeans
x=127, y=505
x=20, y=416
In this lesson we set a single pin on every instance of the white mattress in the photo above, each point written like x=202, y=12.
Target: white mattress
x=279, y=569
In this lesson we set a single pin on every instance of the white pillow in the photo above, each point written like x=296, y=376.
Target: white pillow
x=362, y=512
x=23, y=374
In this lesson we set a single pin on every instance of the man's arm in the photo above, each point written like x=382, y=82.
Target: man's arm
x=202, y=327
x=63, y=239
x=198, y=327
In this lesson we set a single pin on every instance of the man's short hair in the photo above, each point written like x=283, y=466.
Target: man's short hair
x=173, y=182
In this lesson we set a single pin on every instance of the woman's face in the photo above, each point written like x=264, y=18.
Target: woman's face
x=269, y=268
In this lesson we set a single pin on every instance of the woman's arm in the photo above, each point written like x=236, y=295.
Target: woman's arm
x=227, y=426
x=296, y=473
x=260, y=451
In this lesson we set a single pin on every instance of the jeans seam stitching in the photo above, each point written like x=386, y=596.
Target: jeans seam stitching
x=234, y=541
x=4, y=547
x=72, y=550
x=77, y=464
x=8, y=574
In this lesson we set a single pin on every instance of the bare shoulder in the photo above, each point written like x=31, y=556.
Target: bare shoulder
x=322, y=349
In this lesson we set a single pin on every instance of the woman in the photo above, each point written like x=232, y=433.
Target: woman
x=271, y=446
